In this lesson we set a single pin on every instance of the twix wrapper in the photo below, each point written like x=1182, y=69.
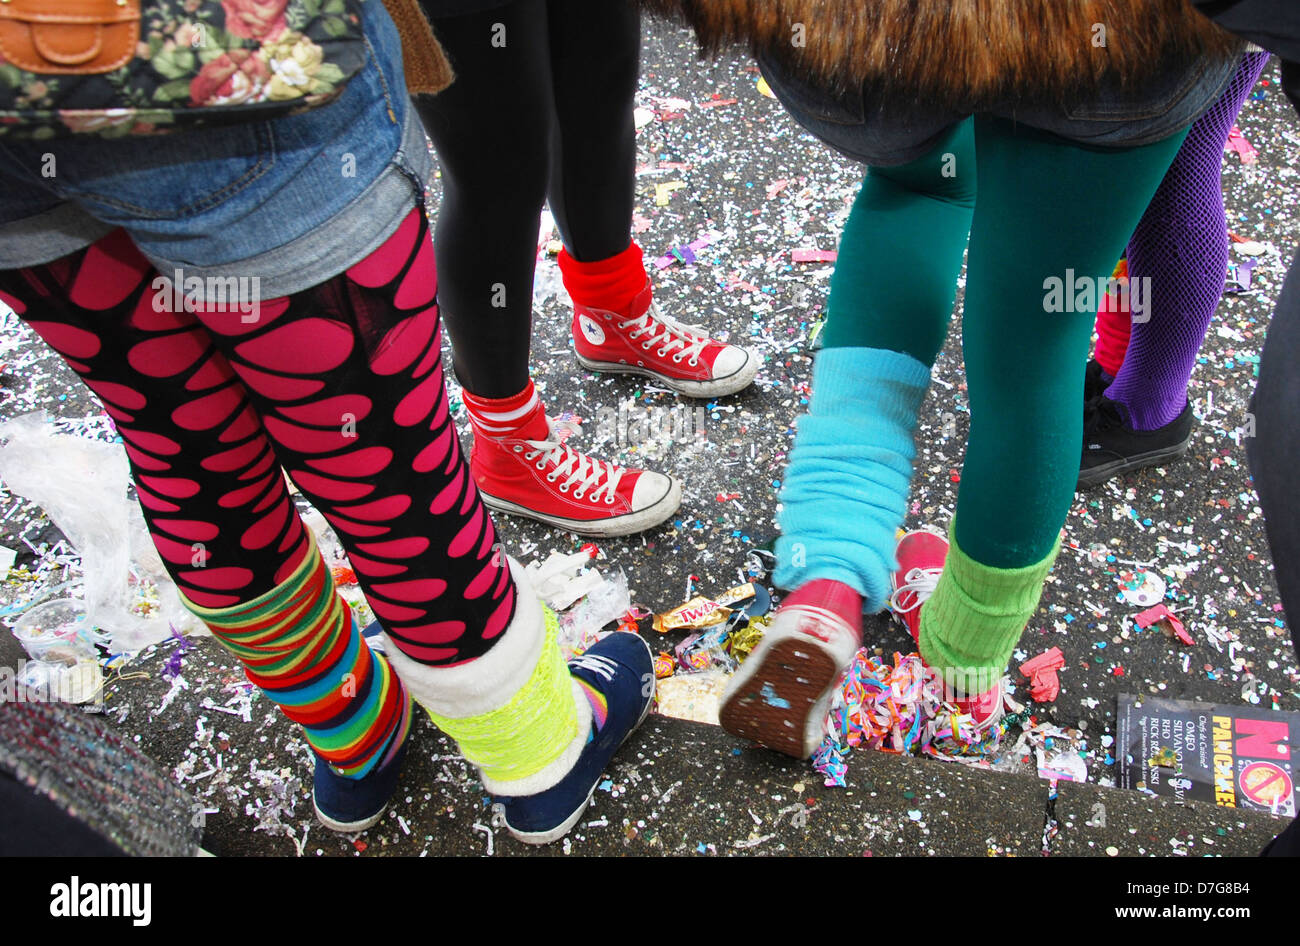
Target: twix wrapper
x=702, y=612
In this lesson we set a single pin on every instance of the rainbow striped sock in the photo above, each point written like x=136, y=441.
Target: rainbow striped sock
x=599, y=706
x=299, y=644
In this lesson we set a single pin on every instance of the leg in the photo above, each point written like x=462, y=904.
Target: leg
x=1014, y=521
x=1179, y=244
x=210, y=488
x=492, y=130
x=1274, y=452
x=1274, y=448
x=595, y=52
x=348, y=378
x=595, y=62
x=1114, y=325
x=495, y=172
x=846, y=486
x=881, y=337
x=1179, y=254
x=1020, y=348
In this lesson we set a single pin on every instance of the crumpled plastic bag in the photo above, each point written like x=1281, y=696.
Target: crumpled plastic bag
x=548, y=282
x=580, y=625
x=82, y=486
x=563, y=579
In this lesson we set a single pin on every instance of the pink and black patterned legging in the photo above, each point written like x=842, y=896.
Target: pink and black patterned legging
x=340, y=384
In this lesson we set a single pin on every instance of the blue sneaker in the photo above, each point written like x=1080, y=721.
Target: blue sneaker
x=349, y=805
x=621, y=668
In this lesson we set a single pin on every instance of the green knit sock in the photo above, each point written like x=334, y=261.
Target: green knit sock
x=972, y=622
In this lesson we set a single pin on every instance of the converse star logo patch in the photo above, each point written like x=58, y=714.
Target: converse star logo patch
x=591, y=330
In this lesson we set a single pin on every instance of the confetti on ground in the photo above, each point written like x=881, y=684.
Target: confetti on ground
x=745, y=171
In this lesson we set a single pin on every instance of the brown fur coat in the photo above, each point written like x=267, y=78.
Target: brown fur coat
x=963, y=53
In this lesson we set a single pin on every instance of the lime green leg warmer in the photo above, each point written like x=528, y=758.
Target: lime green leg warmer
x=516, y=712
x=972, y=622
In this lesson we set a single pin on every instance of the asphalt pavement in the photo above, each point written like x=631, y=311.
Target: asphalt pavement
x=721, y=164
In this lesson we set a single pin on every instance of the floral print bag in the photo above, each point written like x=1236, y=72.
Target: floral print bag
x=152, y=66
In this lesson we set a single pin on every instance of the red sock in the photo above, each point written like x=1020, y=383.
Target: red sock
x=1112, y=330
x=519, y=416
x=609, y=284
x=833, y=596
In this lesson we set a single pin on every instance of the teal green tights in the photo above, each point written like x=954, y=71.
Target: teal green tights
x=1044, y=206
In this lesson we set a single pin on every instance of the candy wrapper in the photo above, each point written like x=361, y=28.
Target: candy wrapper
x=665, y=666
x=743, y=639
x=692, y=696
x=698, y=612
x=701, y=612
x=702, y=651
x=737, y=595
x=693, y=661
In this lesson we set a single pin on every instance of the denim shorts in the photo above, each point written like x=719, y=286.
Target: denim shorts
x=293, y=201
x=892, y=135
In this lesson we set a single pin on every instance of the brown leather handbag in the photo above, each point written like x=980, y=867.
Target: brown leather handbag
x=74, y=37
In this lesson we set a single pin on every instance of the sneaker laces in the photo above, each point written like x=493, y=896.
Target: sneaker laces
x=578, y=468
x=595, y=663
x=671, y=334
x=921, y=582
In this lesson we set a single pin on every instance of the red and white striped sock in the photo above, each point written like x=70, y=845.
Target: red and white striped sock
x=519, y=416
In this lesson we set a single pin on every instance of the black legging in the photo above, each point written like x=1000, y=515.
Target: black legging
x=1274, y=448
x=1274, y=454
x=541, y=108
